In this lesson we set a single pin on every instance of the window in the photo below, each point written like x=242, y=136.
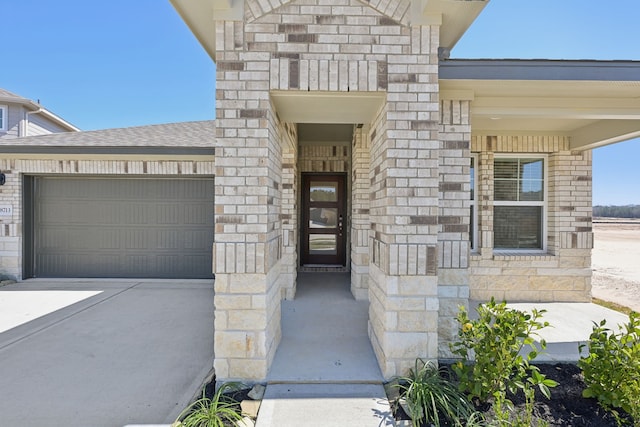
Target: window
x=3, y=118
x=473, y=219
x=519, y=203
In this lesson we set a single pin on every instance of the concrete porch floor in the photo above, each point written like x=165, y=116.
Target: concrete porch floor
x=324, y=334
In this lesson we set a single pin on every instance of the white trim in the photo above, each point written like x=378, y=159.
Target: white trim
x=4, y=117
x=543, y=203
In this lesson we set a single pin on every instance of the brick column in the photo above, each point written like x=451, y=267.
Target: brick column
x=403, y=286
x=454, y=217
x=360, y=219
x=289, y=213
x=248, y=247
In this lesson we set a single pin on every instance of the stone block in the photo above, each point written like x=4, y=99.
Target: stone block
x=246, y=320
x=250, y=408
x=232, y=344
x=248, y=369
x=405, y=345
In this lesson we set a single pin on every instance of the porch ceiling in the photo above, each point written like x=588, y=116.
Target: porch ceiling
x=592, y=112
x=327, y=107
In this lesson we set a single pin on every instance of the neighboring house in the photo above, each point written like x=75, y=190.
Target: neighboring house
x=20, y=117
x=345, y=140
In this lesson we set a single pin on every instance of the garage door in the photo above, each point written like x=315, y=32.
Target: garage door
x=110, y=227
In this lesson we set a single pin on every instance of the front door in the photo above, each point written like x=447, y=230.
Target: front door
x=323, y=219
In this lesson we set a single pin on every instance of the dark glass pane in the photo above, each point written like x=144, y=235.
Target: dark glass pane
x=323, y=217
x=322, y=244
x=473, y=178
x=517, y=227
x=531, y=191
x=471, y=229
x=323, y=191
x=505, y=190
x=505, y=168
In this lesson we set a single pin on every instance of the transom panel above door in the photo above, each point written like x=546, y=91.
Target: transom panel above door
x=323, y=219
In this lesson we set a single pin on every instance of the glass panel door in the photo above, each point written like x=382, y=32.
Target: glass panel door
x=323, y=219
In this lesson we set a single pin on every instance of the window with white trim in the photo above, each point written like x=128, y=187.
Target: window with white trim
x=473, y=219
x=3, y=118
x=519, y=203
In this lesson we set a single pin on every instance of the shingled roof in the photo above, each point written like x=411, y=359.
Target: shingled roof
x=200, y=134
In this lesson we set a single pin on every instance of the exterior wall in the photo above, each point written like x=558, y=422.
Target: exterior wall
x=453, y=218
x=289, y=214
x=404, y=173
x=15, y=114
x=311, y=46
x=38, y=125
x=249, y=183
x=563, y=273
x=360, y=223
x=11, y=228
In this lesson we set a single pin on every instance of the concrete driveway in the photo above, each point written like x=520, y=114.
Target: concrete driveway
x=102, y=352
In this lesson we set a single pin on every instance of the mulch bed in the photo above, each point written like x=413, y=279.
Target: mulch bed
x=566, y=407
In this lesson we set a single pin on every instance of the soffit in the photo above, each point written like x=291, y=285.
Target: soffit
x=327, y=107
x=592, y=113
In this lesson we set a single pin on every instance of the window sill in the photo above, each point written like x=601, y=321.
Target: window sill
x=522, y=255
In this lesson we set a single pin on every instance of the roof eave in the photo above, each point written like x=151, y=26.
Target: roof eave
x=453, y=16
x=36, y=108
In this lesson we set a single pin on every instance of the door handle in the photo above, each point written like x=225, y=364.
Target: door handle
x=340, y=225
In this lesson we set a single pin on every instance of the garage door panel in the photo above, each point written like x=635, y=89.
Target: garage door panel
x=109, y=227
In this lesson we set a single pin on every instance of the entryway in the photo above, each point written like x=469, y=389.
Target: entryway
x=324, y=216
x=324, y=334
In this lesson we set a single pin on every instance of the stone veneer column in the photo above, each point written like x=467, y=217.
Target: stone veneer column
x=247, y=248
x=360, y=221
x=403, y=286
x=453, y=218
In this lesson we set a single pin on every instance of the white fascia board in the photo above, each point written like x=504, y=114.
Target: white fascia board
x=604, y=132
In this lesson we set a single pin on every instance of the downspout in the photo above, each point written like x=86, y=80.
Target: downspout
x=25, y=127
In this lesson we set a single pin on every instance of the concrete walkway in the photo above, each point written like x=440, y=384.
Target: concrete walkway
x=570, y=325
x=325, y=373
x=102, y=353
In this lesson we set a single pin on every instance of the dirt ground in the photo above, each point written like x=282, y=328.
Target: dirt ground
x=616, y=262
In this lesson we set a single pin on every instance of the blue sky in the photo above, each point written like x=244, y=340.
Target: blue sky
x=118, y=63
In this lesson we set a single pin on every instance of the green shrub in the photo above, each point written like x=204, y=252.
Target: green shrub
x=491, y=348
x=612, y=368
x=429, y=394
x=218, y=411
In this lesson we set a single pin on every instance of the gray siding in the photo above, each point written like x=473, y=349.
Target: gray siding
x=14, y=115
x=39, y=125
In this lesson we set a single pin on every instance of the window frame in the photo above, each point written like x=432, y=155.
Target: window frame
x=4, y=112
x=473, y=203
x=515, y=203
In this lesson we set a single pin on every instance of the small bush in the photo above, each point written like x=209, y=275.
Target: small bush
x=612, y=368
x=219, y=411
x=430, y=395
x=492, y=362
